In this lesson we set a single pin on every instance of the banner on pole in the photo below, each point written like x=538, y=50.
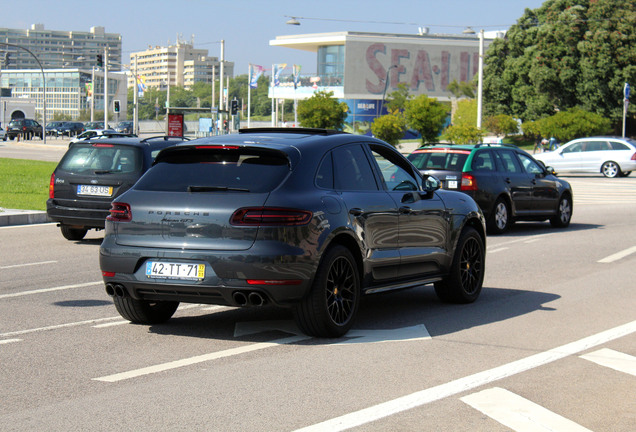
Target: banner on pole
x=255, y=72
x=278, y=68
x=296, y=75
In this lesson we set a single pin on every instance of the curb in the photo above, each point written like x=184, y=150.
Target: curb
x=22, y=217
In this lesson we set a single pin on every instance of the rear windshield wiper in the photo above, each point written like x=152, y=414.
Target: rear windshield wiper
x=215, y=189
x=105, y=171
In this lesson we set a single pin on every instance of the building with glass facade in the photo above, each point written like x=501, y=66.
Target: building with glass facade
x=362, y=68
x=60, y=49
x=68, y=91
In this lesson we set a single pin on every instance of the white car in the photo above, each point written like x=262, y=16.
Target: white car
x=98, y=133
x=611, y=156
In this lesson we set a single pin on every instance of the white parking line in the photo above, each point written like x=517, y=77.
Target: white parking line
x=112, y=324
x=45, y=290
x=423, y=397
x=613, y=359
x=26, y=226
x=58, y=326
x=619, y=255
x=198, y=359
x=496, y=250
x=27, y=264
x=518, y=413
x=8, y=341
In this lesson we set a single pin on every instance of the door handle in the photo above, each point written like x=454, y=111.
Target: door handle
x=355, y=211
x=508, y=180
x=405, y=210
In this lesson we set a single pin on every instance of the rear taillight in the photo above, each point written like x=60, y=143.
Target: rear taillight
x=270, y=216
x=469, y=182
x=119, y=212
x=52, y=186
x=633, y=156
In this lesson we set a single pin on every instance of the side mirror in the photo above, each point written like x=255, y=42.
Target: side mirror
x=431, y=184
x=551, y=170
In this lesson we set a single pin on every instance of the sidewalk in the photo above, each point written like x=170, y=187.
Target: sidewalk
x=9, y=217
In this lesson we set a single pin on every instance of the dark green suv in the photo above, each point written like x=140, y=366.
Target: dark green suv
x=507, y=183
x=26, y=128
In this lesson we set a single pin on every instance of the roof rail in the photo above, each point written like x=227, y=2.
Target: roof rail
x=292, y=130
x=496, y=145
x=165, y=138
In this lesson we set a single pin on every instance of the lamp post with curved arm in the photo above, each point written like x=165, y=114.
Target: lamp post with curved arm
x=43, y=86
x=386, y=85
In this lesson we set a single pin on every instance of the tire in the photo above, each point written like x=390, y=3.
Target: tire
x=463, y=283
x=611, y=169
x=73, y=233
x=626, y=174
x=332, y=303
x=564, y=213
x=145, y=312
x=500, y=218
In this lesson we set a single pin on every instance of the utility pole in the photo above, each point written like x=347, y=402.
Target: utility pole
x=221, y=84
x=106, y=88
x=93, y=88
x=480, y=80
x=136, y=102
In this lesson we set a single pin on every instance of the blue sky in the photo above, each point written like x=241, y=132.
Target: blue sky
x=247, y=26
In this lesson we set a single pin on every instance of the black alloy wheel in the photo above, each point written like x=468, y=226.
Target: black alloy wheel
x=464, y=282
x=330, y=307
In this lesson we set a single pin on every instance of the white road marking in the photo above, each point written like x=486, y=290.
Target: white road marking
x=58, y=326
x=7, y=341
x=46, y=290
x=618, y=255
x=496, y=250
x=26, y=226
x=27, y=264
x=198, y=359
x=112, y=324
x=613, y=359
x=417, y=399
x=519, y=414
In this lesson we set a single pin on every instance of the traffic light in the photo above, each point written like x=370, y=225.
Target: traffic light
x=100, y=60
x=234, y=107
x=7, y=59
x=116, y=106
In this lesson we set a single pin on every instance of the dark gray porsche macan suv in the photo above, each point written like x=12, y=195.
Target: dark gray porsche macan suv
x=301, y=218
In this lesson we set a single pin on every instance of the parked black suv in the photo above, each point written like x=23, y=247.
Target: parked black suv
x=302, y=218
x=91, y=174
x=26, y=128
x=507, y=183
x=70, y=129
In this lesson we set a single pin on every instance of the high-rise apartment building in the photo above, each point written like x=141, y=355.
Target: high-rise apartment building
x=58, y=49
x=177, y=65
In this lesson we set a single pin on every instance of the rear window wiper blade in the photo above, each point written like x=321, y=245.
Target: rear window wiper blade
x=215, y=189
x=105, y=171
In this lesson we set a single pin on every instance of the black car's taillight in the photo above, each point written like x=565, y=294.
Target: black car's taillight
x=119, y=212
x=270, y=216
x=52, y=186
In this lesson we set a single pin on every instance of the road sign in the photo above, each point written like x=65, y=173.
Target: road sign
x=626, y=91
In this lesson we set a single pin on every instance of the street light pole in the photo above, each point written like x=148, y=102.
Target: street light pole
x=386, y=85
x=106, y=88
x=221, y=84
x=480, y=80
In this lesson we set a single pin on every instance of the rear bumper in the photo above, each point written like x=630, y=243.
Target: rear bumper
x=75, y=216
x=226, y=273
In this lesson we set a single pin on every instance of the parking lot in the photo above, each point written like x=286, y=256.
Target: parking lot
x=552, y=337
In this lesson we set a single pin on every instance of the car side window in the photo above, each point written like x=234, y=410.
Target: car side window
x=324, y=176
x=395, y=177
x=352, y=169
x=597, y=146
x=483, y=161
x=530, y=165
x=618, y=146
x=509, y=161
x=574, y=148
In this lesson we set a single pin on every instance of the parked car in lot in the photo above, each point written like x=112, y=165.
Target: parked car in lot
x=611, y=156
x=26, y=128
x=302, y=218
x=91, y=174
x=3, y=134
x=70, y=129
x=124, y=127
x=507, y=183
x=96, y=125
x=52, y=127
x=98, y=134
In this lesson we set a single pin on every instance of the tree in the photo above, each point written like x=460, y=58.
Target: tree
x=461, y=88
x=565, y=54
x=397, y=100
x=389, y=128
x=426, y=115
x=322, y=110
x=568, y=125
x=464, y=134
x=501, y=124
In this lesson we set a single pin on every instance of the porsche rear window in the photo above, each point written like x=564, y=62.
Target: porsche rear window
x=244, y=170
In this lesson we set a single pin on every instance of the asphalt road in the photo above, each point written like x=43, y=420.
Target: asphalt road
x=551, y=342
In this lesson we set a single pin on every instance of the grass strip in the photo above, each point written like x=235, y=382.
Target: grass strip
x=24, y=184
